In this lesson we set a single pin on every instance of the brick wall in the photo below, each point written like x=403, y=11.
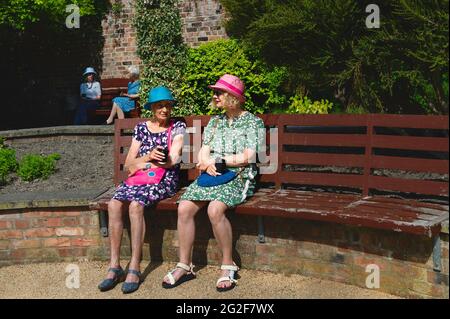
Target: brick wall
x=201, y=19
x=119, y=50
x=29, y=236
x=316, y=249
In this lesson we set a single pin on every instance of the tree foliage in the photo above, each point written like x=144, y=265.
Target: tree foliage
x=400, y=67
x=19, y=14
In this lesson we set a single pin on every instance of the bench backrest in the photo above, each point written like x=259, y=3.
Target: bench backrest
x=363, y=153
x=111, y=88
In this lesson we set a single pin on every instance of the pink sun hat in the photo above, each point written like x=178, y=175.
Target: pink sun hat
x=231, y=84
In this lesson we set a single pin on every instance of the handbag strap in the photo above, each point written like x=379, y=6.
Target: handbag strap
x=169, y=135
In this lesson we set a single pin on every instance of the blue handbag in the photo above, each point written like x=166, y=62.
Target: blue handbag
x=206, y=180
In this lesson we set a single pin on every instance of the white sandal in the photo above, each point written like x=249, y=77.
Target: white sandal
x=232, y=270
x=186, y=277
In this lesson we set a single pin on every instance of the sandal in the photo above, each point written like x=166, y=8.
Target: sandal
x=232, y=269
x=186, y=277
x=110, y=283
x=129, y=287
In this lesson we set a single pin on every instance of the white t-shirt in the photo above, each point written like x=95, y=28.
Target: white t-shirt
x=92, y=90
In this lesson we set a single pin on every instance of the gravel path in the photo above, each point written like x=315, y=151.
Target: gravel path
x=48, y=281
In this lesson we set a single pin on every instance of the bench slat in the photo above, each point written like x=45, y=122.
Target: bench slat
x=410, y=121
x=342, y=180
x=324, y=139
x=409, y=185
x=410, y=164
x=345, y=160
x=410, y=143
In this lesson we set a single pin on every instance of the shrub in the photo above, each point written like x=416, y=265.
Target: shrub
x=36, y=166
x=8, y=163
x=303, y=105
x=207, y=63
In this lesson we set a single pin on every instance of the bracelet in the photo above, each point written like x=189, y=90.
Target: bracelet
x=148, y=165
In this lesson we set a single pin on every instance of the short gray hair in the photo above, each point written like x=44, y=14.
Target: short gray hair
x=134, y=70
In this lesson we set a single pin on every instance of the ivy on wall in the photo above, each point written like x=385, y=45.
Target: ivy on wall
x=160, y=46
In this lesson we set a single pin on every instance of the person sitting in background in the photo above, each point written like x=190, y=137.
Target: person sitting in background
x=125, y=103
x=90, y=94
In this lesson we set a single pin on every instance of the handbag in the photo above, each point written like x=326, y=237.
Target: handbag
x=206, y=180
x=152, y=175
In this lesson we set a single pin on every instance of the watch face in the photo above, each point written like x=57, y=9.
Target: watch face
x=151, y=174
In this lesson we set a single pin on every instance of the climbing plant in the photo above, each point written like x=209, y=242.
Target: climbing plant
x=160, y=46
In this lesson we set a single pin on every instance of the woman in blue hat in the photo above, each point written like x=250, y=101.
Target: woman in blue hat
x=90, y=94
x=125, y=103
x=146, y=154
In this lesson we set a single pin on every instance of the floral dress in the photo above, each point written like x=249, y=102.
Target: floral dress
x=150, y=194
x=245, y=132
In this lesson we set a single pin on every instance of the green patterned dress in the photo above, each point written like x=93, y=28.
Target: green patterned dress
x=245, y=132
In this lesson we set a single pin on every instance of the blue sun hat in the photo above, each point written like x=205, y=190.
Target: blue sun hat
x=157, y=94
x=89, y=70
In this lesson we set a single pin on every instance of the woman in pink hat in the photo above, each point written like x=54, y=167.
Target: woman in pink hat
x=227, y=158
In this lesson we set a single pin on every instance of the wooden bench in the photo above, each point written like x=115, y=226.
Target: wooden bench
x=378, y=171
x=112, y=88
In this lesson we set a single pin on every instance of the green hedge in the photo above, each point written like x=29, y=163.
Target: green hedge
x=207, y=63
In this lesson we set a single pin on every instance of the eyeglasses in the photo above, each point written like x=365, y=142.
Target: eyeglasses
x=218, y=93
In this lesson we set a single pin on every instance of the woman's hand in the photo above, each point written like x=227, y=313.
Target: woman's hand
x=203, y=166
x=211, y=170
x=156, y=155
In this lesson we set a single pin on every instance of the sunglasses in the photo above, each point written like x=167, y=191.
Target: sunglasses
x=218, y=93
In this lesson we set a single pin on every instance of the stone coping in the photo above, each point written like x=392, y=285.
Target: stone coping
x=59, y=130
x=72, y=198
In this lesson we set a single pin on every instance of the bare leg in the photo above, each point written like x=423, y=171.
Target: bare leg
x=137, y=222
x=120, y=114
x=113, y=113
x=115, y=212
x=186, y=233
x=223, y=234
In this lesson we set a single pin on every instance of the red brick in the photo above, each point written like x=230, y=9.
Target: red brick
x=8, y=234
x=38, y=214
x=72, y=221
x=22, y=224
x=4, y=244
x=53, y=222
x=69, y=231
x=18, y=253
x=39, y=232
x=67, y=214
x=30, y=243
x=72, y=252
x=82, y=242
x=5, y=224
x=57, y=242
